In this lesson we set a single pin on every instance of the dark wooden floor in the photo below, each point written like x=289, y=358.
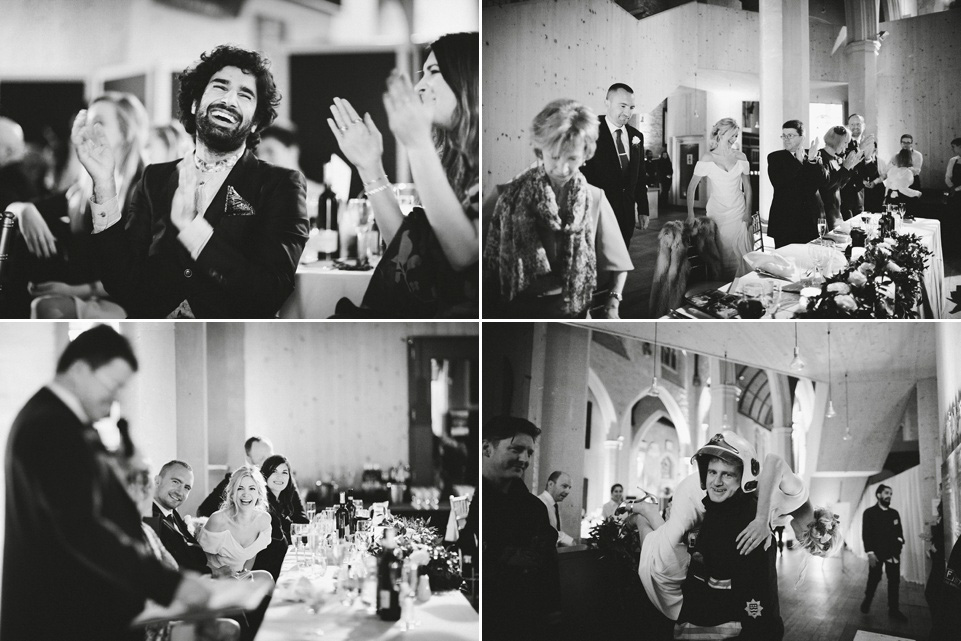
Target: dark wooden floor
x=643, y=249
x=827, y=605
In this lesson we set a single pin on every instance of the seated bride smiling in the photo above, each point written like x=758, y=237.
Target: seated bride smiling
x=234, y=534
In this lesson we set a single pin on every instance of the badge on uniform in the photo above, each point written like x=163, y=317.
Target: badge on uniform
x=895, y=521
x=753, y=609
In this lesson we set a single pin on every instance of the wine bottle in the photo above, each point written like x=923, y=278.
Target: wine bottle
x=341, y=517
x=388, y=579
x=351, y=513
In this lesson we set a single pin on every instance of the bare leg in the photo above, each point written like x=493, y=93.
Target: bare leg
x=647, y=519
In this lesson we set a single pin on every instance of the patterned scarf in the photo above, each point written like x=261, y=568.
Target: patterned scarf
x=515, y=257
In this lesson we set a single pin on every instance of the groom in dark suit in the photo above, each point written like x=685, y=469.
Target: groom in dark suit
x=217, y=234
x=617, y=166
x=173, y=486
x=76, y=564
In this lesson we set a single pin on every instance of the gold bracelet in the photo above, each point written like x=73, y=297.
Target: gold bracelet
x=374, y=191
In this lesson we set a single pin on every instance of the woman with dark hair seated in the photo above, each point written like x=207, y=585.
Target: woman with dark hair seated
x=552, y=233
x=429, y=268
x=285, y=507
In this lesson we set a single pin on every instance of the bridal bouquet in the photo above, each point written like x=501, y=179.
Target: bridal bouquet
x=884, y=282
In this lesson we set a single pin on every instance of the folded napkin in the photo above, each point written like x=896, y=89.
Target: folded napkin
x=772, y=263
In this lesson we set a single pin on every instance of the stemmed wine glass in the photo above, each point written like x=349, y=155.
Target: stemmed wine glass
x=822, y=227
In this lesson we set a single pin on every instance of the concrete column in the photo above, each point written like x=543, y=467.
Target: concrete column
x=150, y=399
x=862, y=68
x=782, y=445
x=929, y=446
x=565, y=358
x=723, y=398
x=785, y=78
x=612, y=454
x=191, y=406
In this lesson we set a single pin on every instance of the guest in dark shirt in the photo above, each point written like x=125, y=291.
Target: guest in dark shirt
x=521, y=580
x=285, y=508
x=883, y=539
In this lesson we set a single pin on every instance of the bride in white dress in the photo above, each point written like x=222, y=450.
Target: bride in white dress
x=782, y=498
x=234, y=534
x=727, y=171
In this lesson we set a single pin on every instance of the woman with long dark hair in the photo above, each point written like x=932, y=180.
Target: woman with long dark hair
x=430, y=266
x=285, y=507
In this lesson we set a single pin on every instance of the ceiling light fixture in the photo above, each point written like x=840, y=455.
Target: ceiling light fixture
x=654, y=391
x=830, y=413
x=797, y=364
x=847, y=424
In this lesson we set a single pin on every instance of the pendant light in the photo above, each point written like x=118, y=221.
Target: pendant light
x=798, y=363
x=653, y=390
x=847, y=424
x=830, y=413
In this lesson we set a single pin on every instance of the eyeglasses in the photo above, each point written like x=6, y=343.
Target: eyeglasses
x=789, y=136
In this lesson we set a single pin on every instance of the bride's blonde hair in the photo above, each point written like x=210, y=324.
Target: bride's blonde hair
x=722, y=128
x=821, y=537
x=230, y=500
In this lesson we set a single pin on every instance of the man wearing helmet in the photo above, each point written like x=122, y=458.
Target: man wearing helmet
x=728, y=595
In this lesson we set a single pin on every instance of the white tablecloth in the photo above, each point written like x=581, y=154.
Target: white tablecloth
x=447, y=615
x=318, y=288
x=928, y=229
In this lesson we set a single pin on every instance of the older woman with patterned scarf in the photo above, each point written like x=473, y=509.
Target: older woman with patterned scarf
x=552, y=232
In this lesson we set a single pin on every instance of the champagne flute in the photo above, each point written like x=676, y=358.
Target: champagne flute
x=773, y=298
x=822, y=227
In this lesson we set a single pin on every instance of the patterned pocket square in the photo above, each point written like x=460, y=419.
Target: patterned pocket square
x=235, y=205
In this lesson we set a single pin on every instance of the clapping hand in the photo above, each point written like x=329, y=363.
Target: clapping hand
x=853, y=159
x=183, y=209
x=94, y=151
x=360, y=140
x=815, y=145
x=408, y=117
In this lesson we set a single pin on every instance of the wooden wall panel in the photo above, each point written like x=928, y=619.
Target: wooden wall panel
x=918, y=87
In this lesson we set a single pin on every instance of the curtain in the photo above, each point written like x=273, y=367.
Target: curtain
x=906, y=499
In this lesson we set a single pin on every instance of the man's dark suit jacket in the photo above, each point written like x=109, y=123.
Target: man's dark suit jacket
x=830, y=182
x=623, y=191
x=852, y=193
x=795, y=207
x=246, y=270
x=76, y=564
x=176, y=537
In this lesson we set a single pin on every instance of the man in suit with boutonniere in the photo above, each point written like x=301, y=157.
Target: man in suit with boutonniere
x=171, y=488
x=218, y=233
x=617, y=166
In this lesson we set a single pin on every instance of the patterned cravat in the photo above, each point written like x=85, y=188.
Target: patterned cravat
x=621, y=152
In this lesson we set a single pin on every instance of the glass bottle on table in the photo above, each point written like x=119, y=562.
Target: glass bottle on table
x=388, y=579
x=342, y=516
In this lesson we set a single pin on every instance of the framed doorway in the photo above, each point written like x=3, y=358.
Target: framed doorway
x=686, y=150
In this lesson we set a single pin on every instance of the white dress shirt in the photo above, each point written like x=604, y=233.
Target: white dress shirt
x=625, y=140
x=563, y=538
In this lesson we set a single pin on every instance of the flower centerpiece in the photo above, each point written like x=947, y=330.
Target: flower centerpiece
x=619, y=544
x=423, y=545
x=884, y=282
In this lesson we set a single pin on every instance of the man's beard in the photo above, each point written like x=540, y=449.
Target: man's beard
x=886, y=501
x=216, y=137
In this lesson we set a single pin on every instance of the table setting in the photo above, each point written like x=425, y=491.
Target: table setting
x=332, y=583
x=874, y=265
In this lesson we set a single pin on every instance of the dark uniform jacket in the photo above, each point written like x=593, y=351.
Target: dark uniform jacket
x=519, y=573
x=723, y=586
x=881, y=532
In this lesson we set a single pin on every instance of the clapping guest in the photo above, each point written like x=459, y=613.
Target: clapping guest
x=58, y=257
x=285, y=508
x=952, y=176
x=836, y=171
x=552, y=232
x=429, y=268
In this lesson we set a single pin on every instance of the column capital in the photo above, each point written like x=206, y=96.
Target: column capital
x=863, y=46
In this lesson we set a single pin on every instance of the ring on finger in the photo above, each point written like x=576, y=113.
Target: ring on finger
x=343, y=128
x=355, y=121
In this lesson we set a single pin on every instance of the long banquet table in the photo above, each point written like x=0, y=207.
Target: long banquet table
x=317, y=288
x=927, y=229
x=446, y=615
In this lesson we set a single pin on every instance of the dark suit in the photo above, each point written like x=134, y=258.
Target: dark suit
x=76, y=562
x=832, y=177
x=176, y=537
x=795, y=207
x=852, y=193
x=246, y=269
x=624, y=190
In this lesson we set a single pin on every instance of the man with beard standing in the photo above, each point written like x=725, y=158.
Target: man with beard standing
x=883, y=539
x=217, y=234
